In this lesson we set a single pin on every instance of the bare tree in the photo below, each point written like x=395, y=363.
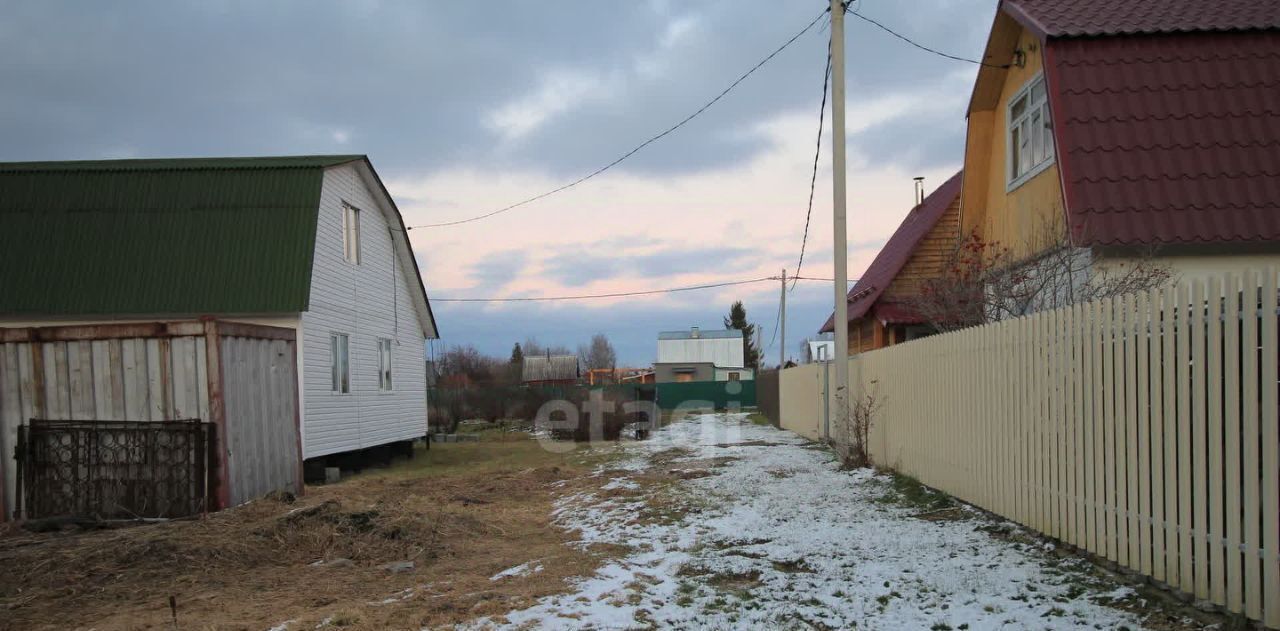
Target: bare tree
x=532, y=347
x=981, y=282
x=599, y=354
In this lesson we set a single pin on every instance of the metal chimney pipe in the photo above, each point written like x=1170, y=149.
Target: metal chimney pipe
x=919, y=190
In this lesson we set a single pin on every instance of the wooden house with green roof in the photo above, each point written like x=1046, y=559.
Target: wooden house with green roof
x=311, y=244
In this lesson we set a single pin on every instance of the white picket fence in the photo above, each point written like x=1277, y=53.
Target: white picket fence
x=1143, y=429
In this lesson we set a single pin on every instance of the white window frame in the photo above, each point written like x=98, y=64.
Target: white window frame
x=385, y=365
x=351, y=233
x=340, y=363
x=1033, y=112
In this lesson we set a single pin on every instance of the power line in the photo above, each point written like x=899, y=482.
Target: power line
x=774, y=336
x=817, y=154
x=920, y=46
x=623, y=294
x=641, y=145
x=616, y=295
x=825, y=280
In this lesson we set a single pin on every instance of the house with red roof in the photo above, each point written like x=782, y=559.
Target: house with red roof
x=1125, y=134
x=1143, y=130
x=880, y=303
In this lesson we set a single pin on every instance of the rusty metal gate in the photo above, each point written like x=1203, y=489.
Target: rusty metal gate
x=113, y=469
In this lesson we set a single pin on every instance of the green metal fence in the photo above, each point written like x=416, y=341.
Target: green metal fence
x=716, y=394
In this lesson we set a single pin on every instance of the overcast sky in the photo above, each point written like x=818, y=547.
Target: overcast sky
x=466, y=107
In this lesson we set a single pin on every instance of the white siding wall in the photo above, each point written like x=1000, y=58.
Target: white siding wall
x=363, y=302
x=744, y=374
x=725, y=352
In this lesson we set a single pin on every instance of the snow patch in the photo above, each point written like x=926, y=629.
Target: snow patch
x=524, y=569
x=816, y=547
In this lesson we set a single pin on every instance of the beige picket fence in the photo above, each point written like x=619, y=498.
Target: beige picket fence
x=1143, y=429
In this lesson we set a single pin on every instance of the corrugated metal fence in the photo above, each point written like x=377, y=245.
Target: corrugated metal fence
x=1142, y=429
x=767, y=394
x=720, y=395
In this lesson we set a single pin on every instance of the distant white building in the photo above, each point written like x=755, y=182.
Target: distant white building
x=697, y=355
x=821, y=350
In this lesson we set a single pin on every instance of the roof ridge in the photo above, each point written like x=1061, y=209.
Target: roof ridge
x=185, y=163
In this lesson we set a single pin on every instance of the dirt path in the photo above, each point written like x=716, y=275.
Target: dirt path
x=734, y=525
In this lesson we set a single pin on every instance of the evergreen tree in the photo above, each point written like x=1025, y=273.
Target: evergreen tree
x=738, y=320
x=517, y=355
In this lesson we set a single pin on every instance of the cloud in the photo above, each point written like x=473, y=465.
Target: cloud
x=498, y=270
x=464, y=111
x=558, y=92
x=576, y=267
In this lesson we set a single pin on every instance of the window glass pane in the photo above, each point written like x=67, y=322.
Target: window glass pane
x=355, y=235
x=1024, y=150
x=333, y=361
x=1019, y=108
x=1014, y=163
x=346, y=232
x=1037, y=139
x=1037, y=92
x=345, y=366
x=351, y=233
x=384, y=364
x=1048, y=133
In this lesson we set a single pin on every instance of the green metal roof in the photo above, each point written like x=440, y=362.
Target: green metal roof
x=179, y=236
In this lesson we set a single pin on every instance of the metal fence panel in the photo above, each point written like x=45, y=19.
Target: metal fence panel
x=113, y=469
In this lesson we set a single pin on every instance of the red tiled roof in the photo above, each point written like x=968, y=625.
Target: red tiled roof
x=1170, y=138
x=1080, y=18
x=898, y=249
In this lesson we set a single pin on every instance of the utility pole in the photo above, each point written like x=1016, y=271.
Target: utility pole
x=841, y=355
x=782, y=315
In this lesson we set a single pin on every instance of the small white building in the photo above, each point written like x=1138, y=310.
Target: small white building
x=697, y=355
x=314, y=244
x=822, y=349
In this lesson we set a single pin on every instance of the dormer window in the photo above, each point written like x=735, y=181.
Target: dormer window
x=1030, y=137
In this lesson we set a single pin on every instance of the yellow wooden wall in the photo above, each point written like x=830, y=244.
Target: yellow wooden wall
x=929, y=258
x=1029, y=218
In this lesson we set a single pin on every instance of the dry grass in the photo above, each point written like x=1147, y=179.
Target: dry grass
x=462, y=513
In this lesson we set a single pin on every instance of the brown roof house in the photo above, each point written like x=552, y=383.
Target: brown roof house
x=1112, y=142
x=883, y=303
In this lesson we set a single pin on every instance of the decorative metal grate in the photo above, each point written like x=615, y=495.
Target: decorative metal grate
x=113, y=469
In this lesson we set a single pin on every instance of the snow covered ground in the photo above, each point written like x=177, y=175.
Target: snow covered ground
x=734, y=525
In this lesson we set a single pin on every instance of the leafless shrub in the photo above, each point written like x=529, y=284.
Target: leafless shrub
x=855, y=430
x=981, y=282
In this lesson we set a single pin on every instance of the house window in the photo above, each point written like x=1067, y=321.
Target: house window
x=1030, y=133
x=340, y=362
x=384, y=364
x=351, y=233
x=733, y=376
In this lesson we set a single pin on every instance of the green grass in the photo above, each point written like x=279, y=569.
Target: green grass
x=908, y=491
x=758, y=419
